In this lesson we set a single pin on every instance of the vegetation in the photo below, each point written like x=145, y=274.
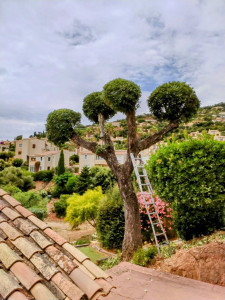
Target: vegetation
x=92, y=253
x=43, y=175
x=17, y=162
x=110, y=262
x=74, y=158
x=6, y=155
x=102, y=177
x=60, y=206
x=110, y=220
x=16, y=177
x=83, y=182
x=122, y=96
x=191, y=176
x=61, y=164
x=83, y=207
x=143, y=256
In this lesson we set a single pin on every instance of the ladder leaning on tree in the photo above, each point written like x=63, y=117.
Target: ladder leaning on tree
x=147, y=196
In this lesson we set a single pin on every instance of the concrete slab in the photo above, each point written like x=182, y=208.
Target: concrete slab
x=138, y=283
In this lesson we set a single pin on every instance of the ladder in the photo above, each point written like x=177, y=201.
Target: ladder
x=147, y=192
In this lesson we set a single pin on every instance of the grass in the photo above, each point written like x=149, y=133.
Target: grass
x=92, y=253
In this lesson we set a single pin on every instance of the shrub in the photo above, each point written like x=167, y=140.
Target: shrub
x=191, y=176
x=83, y=207
x=11, y=189
x=84, y=181
x=102, y=177
x=2, y=164
x=17, y=162
x=60, y=187
x=110, y=220
x=17, y=177
x=43, y=175
x=61, y=205
x=71, y=184
x=74, y=158
x=142, y=256
x=40, y=213
x=61, y=164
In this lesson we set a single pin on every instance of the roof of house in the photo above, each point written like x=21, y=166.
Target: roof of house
x=37, y=263
x=46, y=153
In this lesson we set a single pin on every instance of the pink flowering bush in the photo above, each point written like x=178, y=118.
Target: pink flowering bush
x=165, y=214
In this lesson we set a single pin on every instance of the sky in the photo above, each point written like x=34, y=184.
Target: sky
x=53, y=53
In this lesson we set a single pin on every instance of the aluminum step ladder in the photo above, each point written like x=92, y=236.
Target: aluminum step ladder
x=147, y=192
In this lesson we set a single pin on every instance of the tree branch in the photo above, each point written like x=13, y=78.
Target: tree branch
x=153, y=139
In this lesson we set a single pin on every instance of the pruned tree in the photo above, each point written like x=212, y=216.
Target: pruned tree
x=172, y=102
x=61, y=164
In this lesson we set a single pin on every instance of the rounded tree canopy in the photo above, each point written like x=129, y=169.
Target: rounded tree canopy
x=60, y=125
x=121, y=95
x=173, y=101
x=93, y=105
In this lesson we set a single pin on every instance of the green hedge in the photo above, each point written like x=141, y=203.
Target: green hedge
x=110, y=220
x=191, y=176
x=43, y=175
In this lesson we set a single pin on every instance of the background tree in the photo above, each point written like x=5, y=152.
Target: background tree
x=17, y=162
x=83, y=182
x=61, y=164
x=172, y=102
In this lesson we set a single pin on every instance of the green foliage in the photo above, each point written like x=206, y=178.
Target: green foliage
x=60, y=184
x=121, y=95
x=40, y=213
x=191, y=176
x=93, y=254
x=6, y=155
x=60, y=125
x=17, y=162
x=61, y=164
x=83, y=207
x=102, y=177
x=143, y=256
x=71, y=184
x=2, y=164
x=174, y=101
x=110, y=220
x=83, y=240
x=43, y=175
x=60, y=206
x=93, y=105
x=18, y=137
x=84, y=181
x=17, y=177
x=74, y=158
x=110, y=262
x=11, y=189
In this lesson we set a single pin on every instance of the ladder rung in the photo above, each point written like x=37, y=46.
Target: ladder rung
x=144, y=183
x=163, y=244
x=155, y=223
x=143, y=175
x=158, y=234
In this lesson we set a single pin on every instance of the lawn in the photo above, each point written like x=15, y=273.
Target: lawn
x=92, y=253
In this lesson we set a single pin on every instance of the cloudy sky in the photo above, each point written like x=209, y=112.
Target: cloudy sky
x=55, y=52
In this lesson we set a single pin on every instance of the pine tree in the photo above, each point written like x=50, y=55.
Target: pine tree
x=84, y=181
x=61, y=164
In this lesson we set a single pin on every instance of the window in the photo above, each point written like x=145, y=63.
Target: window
x=20, y=145
x=19, y=152
x=99, y=157
x=33, y=159
x=49, y=158
x=33, y=146
x=32, y=169
x=48, y=168
x=41, y=157
x=40, y=168
x=85, y=156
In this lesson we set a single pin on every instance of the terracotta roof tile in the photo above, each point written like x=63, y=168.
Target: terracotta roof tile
x=68, y=288
x=81, y=257
x=2, y=192
x=40, y=239
x=12, y=201
x=44, y=265
x=26, y=247
x=10, y=231
x=38, y=222
x=24, y=212
x=25, y=275
x=37, y=263
x=41, y=292
x=8, y=256
x=96, y=271
x=17, y=296
x=24, y=225
x=105, y=285
x=55, y=236
x=84, y=282
x=62, y=260
x=12, y=214
x=8, y=284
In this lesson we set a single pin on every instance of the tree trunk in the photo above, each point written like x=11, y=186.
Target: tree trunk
x=132, y=237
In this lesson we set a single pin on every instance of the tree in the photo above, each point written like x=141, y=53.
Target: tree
x=17, y=162
x=84, y=181
x=18, y=137
x=61, y=164
x=123, y=96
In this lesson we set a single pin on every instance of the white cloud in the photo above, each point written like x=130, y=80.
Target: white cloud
x=54, y=53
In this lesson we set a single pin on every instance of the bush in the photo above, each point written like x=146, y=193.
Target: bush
x=191, y=176
x=83, y=207
x=74, y=158
x=40, y=213
x=102, y=177
x=16, y=177
x=71, y=184
x=11, y=189
x=84, y=181
x=43, y=175
x=60, y=187
x=2, y=164
x=110, y=220
x=61, y=205
x=17, y=162
x=142, y=256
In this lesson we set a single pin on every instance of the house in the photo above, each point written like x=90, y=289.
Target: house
x=48, y=160
x=214, y=132
x=89, y=159
x=38, y=263
x=4, y=145
x=31, y=146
